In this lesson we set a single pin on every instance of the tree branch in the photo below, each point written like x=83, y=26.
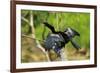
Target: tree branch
x=24, y=19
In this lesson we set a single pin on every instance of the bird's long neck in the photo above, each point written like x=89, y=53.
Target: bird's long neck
x=50, y=27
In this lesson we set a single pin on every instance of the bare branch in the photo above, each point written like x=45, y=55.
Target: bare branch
x=32, y=37
x=24, y=19
x=32, y=24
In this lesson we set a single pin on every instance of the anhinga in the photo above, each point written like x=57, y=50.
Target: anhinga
x=57, y=39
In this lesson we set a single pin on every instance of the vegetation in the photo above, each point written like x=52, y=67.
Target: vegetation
x=60, y=20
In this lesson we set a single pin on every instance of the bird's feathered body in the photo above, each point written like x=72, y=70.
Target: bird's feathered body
x=57, y=39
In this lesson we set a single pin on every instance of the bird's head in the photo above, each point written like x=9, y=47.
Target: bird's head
x=71, y=33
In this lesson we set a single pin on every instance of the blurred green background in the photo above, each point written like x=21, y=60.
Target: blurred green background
x=60, y=20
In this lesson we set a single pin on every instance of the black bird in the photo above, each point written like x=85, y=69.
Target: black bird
x=57, y=39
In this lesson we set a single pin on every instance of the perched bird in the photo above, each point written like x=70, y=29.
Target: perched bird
x=57, y=39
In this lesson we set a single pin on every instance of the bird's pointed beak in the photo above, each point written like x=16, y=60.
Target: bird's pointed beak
x=75, y=32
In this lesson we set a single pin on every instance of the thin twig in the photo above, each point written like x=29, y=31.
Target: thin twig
x=32, y=37
x=24, y=19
